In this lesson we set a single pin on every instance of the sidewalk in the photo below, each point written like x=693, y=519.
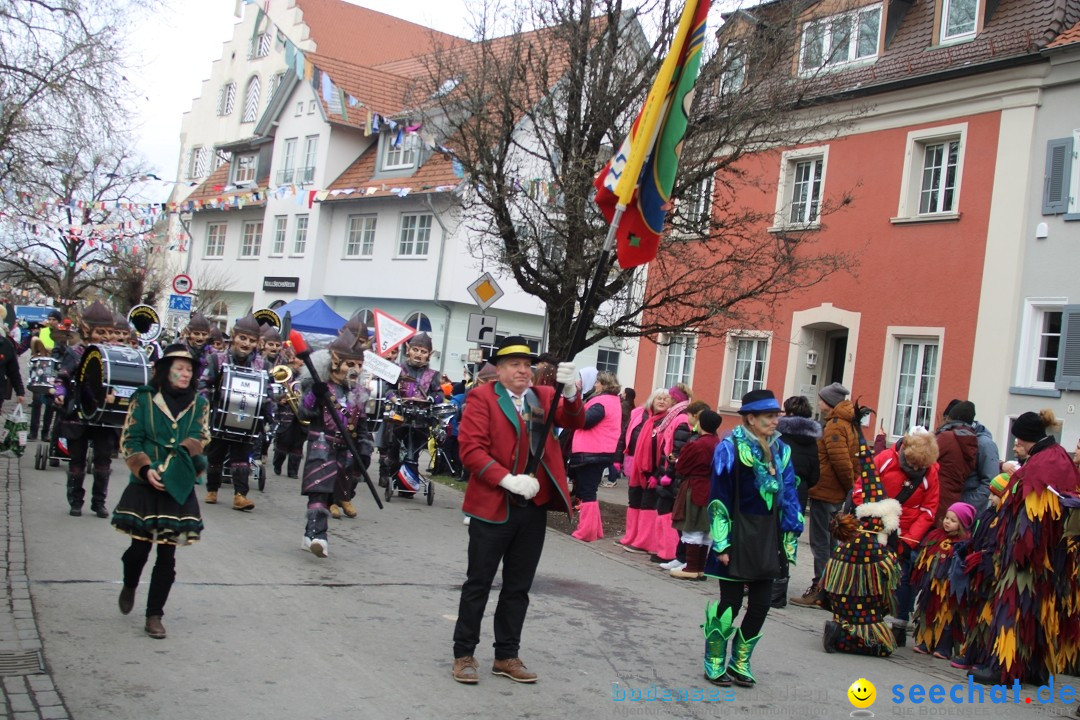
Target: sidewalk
x=27, y=688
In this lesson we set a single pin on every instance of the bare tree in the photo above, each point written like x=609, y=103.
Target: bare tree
x=212, y=283
x=531, y=116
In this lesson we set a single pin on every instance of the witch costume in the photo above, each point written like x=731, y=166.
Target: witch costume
x=166, y=430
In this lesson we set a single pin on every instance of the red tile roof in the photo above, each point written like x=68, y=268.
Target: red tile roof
x=377, y=91
x=1070, y=36
x=435, y=175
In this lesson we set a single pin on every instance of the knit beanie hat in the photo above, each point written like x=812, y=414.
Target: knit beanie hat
x=677, y=395
x=963, y=412
x=964, y=512
x=709, y=421
x=1028, y=427
x=833, y=394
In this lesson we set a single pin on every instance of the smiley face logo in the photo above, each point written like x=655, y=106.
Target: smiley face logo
x=862, y=693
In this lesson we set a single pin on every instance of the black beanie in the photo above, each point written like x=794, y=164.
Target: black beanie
x=963, y=411
x=709, y=421
x=1028, y=427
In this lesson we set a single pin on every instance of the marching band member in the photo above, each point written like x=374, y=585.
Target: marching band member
x=236, y=452
x=328, y=479
x=289, y=434
x=417, y=381
x=196, y=338
x=97, y=322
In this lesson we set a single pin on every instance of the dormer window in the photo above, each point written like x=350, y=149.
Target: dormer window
x=243, y=168
x=839, y=40
x=401, y=156
x=958, y=19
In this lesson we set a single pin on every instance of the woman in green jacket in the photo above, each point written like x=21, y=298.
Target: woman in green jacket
x=166, y=430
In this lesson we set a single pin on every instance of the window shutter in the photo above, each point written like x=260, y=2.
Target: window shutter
x=1068, y=374
x=1059, y=155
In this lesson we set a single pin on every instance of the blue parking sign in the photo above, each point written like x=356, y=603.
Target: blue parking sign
x=180, y=303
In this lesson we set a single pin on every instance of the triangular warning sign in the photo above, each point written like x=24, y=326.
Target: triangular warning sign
x=390, y=332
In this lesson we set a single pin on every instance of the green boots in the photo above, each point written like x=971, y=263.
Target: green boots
x=718, y=630
x=739, y=667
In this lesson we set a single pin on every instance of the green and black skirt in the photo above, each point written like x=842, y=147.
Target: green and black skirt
x=153, y=515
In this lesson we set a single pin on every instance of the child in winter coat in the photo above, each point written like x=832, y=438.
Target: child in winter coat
x=938, y=623
x=691, y=516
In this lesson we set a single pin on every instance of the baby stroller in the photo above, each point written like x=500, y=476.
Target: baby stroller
x=412, y=421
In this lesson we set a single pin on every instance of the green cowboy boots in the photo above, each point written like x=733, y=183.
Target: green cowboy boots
x=739, y=666
x=718, y=630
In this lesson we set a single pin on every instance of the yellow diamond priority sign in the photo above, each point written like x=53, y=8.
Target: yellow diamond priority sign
x=485, y=291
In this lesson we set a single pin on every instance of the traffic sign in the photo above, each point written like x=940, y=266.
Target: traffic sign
x=180, y=303
x=481, y=329
x=485, y=291
x=389, y=331
x=181, y=284
x=476, y=355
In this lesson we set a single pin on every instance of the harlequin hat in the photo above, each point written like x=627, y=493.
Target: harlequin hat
x=878, y=513
x=347, y=346
x=513, y=346
x=759, y=401
x=198, y=323
x=97, y=315
x=248, y=325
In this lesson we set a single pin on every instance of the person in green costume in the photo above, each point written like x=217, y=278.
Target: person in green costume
x=164, y=436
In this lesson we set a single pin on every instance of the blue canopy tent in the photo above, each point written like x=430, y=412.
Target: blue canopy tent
x=311, y=316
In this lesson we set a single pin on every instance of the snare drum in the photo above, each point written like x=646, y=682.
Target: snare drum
x=444, y=412
x=116, y=369
x=237, y=412
x=42, y=373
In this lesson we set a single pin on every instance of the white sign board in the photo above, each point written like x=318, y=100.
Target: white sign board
x=476, y=355
x=481, y=329
x=485, y=291
x=381, y=367
x=390, y=332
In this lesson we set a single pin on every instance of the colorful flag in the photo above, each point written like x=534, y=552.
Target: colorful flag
x=641, y=174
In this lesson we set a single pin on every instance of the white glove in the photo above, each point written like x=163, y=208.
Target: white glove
x=525, y=485
x=570, y=378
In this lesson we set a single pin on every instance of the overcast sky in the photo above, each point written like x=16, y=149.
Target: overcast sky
x=176, y=47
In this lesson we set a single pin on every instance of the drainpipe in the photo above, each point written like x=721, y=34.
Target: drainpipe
x=438, y=281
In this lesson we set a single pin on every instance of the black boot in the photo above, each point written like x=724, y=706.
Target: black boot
x=99, y=491
x=779, y=593
x=294, y=465
x=900, y=633
x=279, y=459
x=161, y=581
x=75, y=491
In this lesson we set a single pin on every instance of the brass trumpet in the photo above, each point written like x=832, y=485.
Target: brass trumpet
x=282, y=375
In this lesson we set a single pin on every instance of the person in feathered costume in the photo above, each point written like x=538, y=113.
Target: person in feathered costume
x=1027, y=625
x=938, y=627
x=862, y=574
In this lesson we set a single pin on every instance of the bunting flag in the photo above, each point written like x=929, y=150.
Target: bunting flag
x=641, y=174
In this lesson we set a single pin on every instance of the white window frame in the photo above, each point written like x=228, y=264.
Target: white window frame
x=946, y=7
x=300, y=233
x=828, y=24
x=216, y=235
x=699, y=205
x=241, y=173
x=281, y=224
x=360, y=239
x=287, y=174
x=410, y=223
x=305, y=174
x=613, y=351
x=251, y=240
x=1074, y=171
x=251, y=100
x=789, y=161
x=895, y=339
x=1027, y=365
x=226, y=99
x=259, y=46
x=760, y=351
x=733, y=76
x=912, y=178
x=687, y=343
x=400, y=157
x=200, y=157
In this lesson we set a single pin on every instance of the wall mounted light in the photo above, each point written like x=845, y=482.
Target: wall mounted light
x=1042, y=231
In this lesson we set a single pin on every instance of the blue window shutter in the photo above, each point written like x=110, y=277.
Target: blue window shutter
x=1059, y=157
x=1068, y=374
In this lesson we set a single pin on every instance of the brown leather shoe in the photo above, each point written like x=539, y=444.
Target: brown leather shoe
x=465, y=670
x=211, y=497
x=154, y=628
x=127, y=599
x=335, y=511
x=514, y=669
x=348, y=508
x=240, y=502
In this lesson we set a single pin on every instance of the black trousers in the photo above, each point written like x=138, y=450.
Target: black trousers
x=517, y=543
x=587, y=480
x=162, y=577
x=237, y=455
x=757, y=603
x=103, y=440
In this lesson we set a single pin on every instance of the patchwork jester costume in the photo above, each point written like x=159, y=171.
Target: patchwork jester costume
x=938, y=627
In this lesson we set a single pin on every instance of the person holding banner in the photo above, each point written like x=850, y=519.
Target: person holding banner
x=416, y=382
x=503, y=423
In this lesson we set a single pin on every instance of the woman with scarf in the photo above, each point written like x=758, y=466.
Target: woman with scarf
x=755, y=521
x=162, y=443
x=673, y=431
x=642, y=483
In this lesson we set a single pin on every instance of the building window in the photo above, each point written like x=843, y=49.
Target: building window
x=1062, y=176
x=360, y=239
x=415, y=235
x=278, y=248
x=300, y=235
x=251, y=100
x=607, y=360
x=807, y=177
x=958, y=19
x=311, y=107
x=226, y=99
x=749, y=369
x=841, y=39
x=273, y=85
x=215, y=240
x=287, y=173
x=1040, y=342
x=916, y=385
x=1049, y=347
x=306, y=173
x=251, y=244
x=699, y=205
x=400, y=156
x=733, y=74
x=679, y=359
x=200, y=159
x=259, y=46
x=939, y=177
x=243, y=169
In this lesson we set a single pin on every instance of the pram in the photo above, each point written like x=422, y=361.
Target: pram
x=413, y=420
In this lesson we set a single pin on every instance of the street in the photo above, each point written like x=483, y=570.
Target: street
x=260, y=629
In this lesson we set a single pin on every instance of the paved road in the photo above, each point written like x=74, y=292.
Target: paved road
x=260, y=629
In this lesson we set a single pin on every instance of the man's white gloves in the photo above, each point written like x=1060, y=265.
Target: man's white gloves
x=525, y=485
x=570, y=378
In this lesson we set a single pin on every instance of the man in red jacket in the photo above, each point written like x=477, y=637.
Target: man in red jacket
x=502, y=423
